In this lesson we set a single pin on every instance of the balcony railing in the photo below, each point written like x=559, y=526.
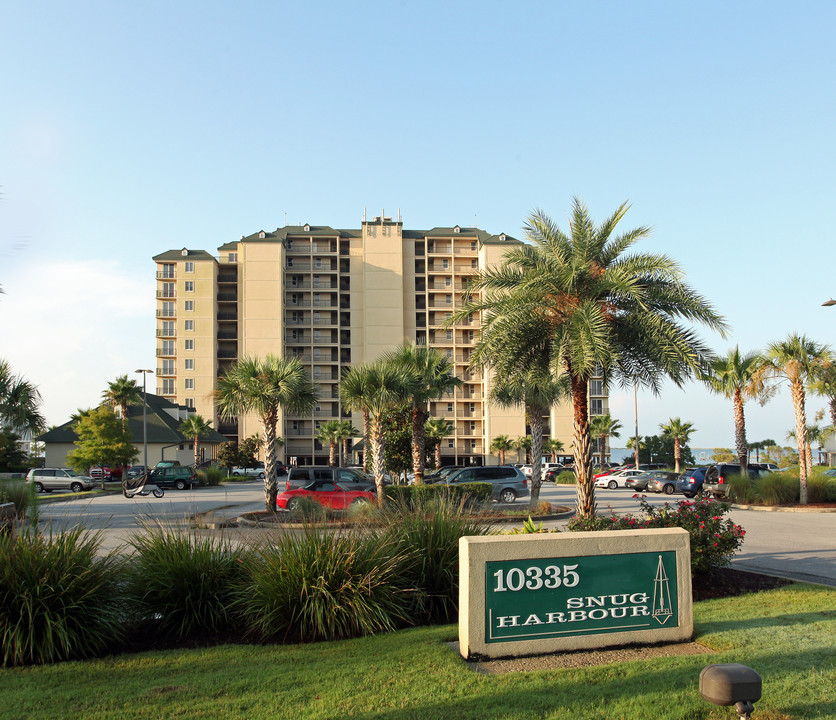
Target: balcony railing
x=166, y=333
x=161, y=352
x=166, y=313
x=165, y=275
x=166, y=294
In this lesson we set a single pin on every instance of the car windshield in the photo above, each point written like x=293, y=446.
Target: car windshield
x=72, y=473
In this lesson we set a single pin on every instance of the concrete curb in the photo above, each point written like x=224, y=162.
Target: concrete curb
x=779, y=508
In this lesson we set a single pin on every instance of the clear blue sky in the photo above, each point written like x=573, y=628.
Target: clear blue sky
x=132, y=128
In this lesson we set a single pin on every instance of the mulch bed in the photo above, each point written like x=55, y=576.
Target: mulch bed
x=727, y=582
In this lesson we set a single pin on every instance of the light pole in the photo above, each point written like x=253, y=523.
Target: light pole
x=144, y=420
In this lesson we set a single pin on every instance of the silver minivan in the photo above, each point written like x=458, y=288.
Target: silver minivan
x=48, y=479
x=508, y=482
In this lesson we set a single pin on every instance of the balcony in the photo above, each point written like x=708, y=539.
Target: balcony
x=227, y=297
x=227, y=354
x=166, y=332
x=226, y=277
x=166, y=313
x=227, y=316
x=166, y=295
x=162, y=352
x=166, y=275
x=166, y=371
x=227, y=335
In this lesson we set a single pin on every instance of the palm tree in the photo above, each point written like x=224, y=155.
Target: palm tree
x=734, y=376
x=588, y=305
x=331, y=433
x=522, y=445
x=501, y=444
x=760, y=445
x=264, y=387
x=681, y=433
x=347, y=432
x=195, y=427
x=437, y=429
x=797, y=359
x=429, y=376
x=120, y=393
x=536, y=391
x=603, y=427
x=19, y=401
x=374, y=389
x=824, y=384
x=354, y=390
x=553, y=446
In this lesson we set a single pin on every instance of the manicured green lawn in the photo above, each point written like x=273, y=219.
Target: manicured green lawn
x=788, y=635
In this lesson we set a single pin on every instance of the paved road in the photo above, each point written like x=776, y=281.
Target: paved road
x=798, y=545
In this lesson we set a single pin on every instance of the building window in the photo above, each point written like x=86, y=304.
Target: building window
x=168, y=328
x=445, y=264
x=189, y=305
x=596, y=406
x=168, y=347
x=190, y=364
x=189, y=383
x=596, y=387
x=474, y=263
x=168, y=309
x=190, y=403
x=189, y=286
x=449, y=334
x=449, y=442
x=167, y=271
x=188, y=267
x=168, y=290
x=189, y=344
x=233, y=257
x=317, y=262
x=290, y=262
x=168, y=386
x=449, y=353
x=168, y=367
x=294, y=298
x=448, y=281
x=449, y=407
x=473, y=245
x=190, y=325
x=473, y=445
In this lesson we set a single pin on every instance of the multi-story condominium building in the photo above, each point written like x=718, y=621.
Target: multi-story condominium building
x=334, y=298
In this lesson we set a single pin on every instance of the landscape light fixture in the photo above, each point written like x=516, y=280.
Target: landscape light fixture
x=829, y=303
x=731, y=684
x=144, y=420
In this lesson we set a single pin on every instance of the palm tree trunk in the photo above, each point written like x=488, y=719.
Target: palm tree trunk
x=366, y=441
x=535, y=417
x=376, y=440
x=740, y=433
x=438, y=456
x=583, y=455
x=603, y=450
x=677, y=453
x=271, y=486
x=797, y=394
x=196, y=448
x=418, y=444
x=332, y=454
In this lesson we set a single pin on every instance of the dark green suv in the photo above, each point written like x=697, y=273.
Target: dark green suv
x=180, y=477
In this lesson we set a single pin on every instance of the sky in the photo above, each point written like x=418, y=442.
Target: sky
x=127, y=129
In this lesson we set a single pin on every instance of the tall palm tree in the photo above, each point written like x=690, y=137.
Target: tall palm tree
x=734, y=376
x=536, y=391
x=120, y=393
x=681, y=433
x=355, y=388
x=347, y=432
x=553, y=446
x=195, y=427
x=501, y=444
x=264, y=387
x=429, y=376
x=824, y=384
x=19, y=402
x=374, y=389
x=586, y=303
x=331, y=433
x=437, y=429
x=604, y=427
x=796, y=359
x=522, y=445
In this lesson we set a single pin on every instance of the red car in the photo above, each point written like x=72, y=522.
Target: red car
x=329, y=494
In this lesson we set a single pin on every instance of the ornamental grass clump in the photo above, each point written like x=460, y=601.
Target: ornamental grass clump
x=58, y=598
x=776, y=489
x=22, y=495
x=321, y=585
x=714, y=540
x=426, y=535
x=212, y=476
x=180, y=584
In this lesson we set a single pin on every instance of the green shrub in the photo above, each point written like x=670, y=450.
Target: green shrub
x=22, y=495
x=472, y=494
x=306, y=509
x=776, y=489
x=321, y=585
x=714, y=540
x=184, y=584
x=212, y=476
x=567, y=477
x=426, y=536
x=58, y=598
x=742, y=489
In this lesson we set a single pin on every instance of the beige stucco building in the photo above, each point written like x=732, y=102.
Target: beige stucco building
x=334, y=298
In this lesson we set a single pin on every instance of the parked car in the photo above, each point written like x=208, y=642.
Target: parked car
x=831, y=472
x=334, y=495
x=257, y=471
x=551, y=475
x=765, y=467
x=49, y=479
x=508, y=482
x=134, y=471
x=637, y=482
x=545, y=467
x=304, y=475
x=662, y=481
x=616, y=479
x=718, y=478
x=167, y=463
x=181, y=477
x=690, y=482
x=97, y=473
x=442, y=472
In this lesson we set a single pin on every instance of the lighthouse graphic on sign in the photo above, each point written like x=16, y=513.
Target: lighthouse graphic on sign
x=662, y=609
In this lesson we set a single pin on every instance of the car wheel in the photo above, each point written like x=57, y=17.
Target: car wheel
x=39, y=488
x=669, y=489
x=292, y=504
x=76, y=487
x=612, y=484
x=689, y=495
x=236, y=474
x=507, y=496
x=261, y=476
x=181, y=484
x=359, y=501
x=158, y=492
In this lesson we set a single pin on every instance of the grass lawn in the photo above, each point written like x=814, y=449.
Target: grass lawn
x=787, y=635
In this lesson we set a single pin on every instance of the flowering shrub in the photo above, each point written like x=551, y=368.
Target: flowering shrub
x=714, y=540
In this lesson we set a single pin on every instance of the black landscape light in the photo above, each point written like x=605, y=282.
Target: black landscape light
x=731, y=684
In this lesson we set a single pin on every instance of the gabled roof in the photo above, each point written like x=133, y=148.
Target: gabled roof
x=162, y=427
x=179, y=255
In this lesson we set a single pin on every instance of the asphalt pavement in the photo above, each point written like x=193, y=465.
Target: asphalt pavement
x=796, y=545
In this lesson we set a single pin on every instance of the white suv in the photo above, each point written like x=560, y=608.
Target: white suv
x=526, y=469
x=48, y=479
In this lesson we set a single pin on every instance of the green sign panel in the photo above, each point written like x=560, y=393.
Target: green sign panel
x=533, y=599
